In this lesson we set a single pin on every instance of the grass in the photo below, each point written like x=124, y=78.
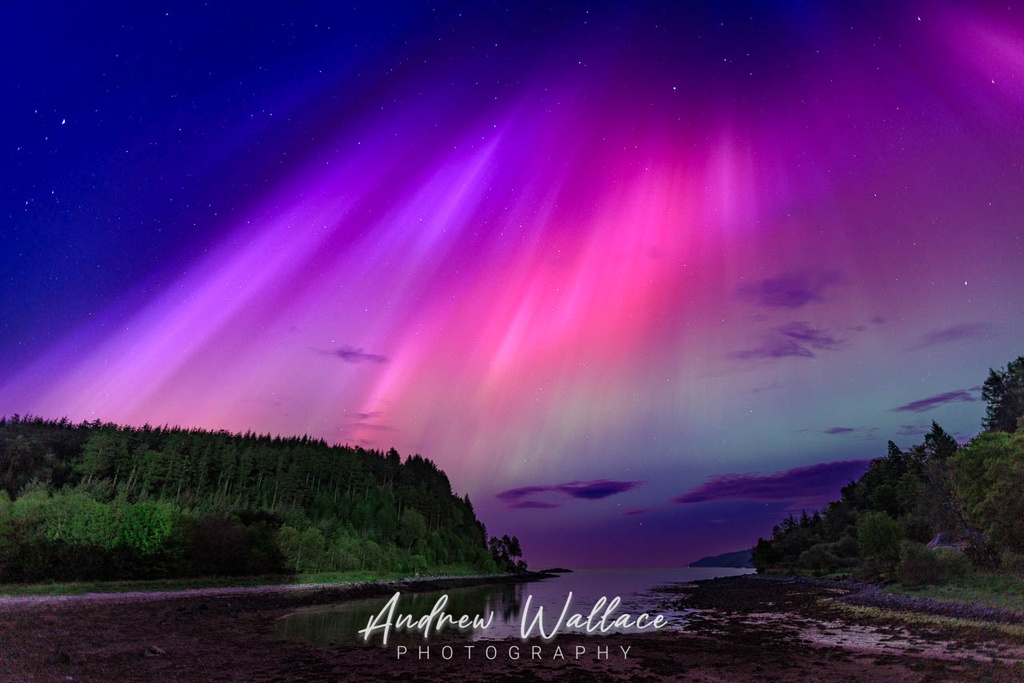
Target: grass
x=900, y=618
x=161, y=585
x=986, y=589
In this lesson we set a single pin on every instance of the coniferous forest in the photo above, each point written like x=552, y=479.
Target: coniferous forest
x=97, y=501
x=927, y=515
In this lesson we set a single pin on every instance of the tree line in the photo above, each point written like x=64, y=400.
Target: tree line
x=925, y=515
x=98, y=501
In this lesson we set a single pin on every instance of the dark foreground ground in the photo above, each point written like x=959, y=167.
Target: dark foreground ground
x=745, y=629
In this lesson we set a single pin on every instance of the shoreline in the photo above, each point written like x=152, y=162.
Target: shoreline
x=741, y=628
x=867, y=594
x=326, y=591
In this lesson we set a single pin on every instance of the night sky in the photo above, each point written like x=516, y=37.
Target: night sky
x=642, y=279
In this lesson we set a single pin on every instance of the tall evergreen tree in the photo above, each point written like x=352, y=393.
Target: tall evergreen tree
x=1004, y=393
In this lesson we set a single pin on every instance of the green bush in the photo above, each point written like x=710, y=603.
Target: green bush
x=820, y=559
x=878, y=536
x=918, y=566
x=846, y=547
x=1012, y=561
x=415, y=563
x=953, y=564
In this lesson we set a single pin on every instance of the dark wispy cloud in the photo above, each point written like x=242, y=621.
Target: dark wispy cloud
x=796, y=339
x=788, y=290
x=350, y=354
x=371, y=425
x=522, y=492
x=773, y=348
x=524, y=496
x=839, y=430
x=807, y=334
x=925, y=404
x=369, y=421
x=637, y=511
x=531, y=505
x=595, y=490
x=964, y=331
x=811, y=485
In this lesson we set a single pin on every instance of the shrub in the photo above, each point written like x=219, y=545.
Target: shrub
x=878, y=536
x=918, y=565
x=415, y=563
x=953, y=564
x=1012, y=561
x=922, y=567
x=819, y=558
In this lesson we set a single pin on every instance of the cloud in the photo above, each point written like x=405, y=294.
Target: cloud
x=523, y=496
x=954, y=334
x=370, y=425
x=796, y=339
x=789, y=290
x=516, y=494
x=806, y=334
x=637, y=511
x=595, y=490
x=931, y=402
x=351, y=354
x=773, y=348
x=812, y=485
x=839, y=430
x=364, y=421
x=531, y=505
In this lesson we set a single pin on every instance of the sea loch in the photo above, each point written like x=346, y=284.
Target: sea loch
x=601, y=619
x=435, y=621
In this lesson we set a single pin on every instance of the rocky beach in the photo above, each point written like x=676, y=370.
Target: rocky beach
x=740, y=629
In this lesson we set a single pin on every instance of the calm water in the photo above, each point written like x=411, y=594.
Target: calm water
x=340, y=624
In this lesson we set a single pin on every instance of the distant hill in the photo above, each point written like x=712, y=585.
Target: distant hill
x=739, y=559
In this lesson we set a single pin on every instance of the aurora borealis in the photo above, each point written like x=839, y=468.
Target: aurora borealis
x=639, y=278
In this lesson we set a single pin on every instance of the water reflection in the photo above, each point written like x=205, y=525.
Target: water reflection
x=340, y=624
x=501, y=604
